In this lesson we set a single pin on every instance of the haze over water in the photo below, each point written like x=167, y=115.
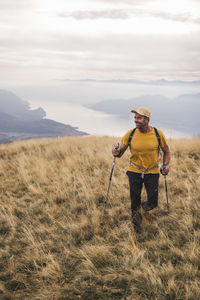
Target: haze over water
x=66, y=104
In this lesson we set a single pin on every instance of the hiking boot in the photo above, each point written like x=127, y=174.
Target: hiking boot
x=137, y=220
x=147, y=206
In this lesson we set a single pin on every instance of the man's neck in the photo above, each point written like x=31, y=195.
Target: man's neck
x=145, y=129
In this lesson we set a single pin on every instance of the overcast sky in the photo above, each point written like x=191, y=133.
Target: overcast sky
x=53, y=40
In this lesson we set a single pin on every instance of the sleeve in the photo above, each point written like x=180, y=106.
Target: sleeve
x=125, y=138
x=163, y=141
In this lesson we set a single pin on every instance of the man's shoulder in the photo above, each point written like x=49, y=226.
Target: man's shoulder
x=162, y=138
x=160, y=132
x=129, y=132
x=125, y=138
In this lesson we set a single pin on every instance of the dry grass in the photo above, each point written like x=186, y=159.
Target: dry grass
x=52, y=245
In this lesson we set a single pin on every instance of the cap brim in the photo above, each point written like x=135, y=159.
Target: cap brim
x=134, y=111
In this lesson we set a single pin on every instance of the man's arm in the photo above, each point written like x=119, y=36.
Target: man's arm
x=166, y=160
x=120, y=151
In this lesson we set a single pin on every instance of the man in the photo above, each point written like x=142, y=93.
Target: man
x=143, y=167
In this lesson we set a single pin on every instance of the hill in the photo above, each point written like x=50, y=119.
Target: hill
x=19, y=122
x=180, y=113
x=52, y=245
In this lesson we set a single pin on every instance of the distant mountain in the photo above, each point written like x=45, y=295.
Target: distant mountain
x=133, y=81
x=19, y=122
x=16, y=107
x=180, y=113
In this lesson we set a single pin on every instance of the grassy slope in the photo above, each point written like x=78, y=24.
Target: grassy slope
x=52, y=245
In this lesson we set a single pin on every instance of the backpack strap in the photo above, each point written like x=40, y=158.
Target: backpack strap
x=130, y=138
x=157, y=135
x=158, y=138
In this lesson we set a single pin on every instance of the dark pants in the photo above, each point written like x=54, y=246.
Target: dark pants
x=151, y=185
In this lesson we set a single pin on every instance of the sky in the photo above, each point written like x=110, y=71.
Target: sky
x=49, y=47
x=52, y=40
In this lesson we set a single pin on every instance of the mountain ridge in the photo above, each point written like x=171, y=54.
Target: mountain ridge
x=180, y=113
x=19, y=122
x=135, y=81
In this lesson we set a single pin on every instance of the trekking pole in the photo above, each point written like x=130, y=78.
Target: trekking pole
x=164, y=166
x=166, y=191
x=111, y=173
x=110, y=178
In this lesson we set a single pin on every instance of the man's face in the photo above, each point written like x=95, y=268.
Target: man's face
x=140, y=121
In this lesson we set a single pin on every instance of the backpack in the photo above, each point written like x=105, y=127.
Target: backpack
x=157, y=136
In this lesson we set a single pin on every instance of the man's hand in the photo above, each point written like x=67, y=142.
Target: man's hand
x=164, y=170
x=116, y=152
x=119, y=151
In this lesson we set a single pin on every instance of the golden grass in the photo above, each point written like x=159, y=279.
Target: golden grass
x=52, y=245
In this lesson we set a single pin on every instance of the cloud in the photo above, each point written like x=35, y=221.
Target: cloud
x=50, y=47
x=103, y=57
x=140, y=2
x=128, y=14
x=97, y=14
x=182, y=17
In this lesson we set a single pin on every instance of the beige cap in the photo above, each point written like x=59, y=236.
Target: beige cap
x=143, y=111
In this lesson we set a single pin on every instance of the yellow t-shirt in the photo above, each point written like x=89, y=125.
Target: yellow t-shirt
x=144, y=150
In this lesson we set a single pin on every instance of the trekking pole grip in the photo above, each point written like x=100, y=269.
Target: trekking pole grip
x=162, y=168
